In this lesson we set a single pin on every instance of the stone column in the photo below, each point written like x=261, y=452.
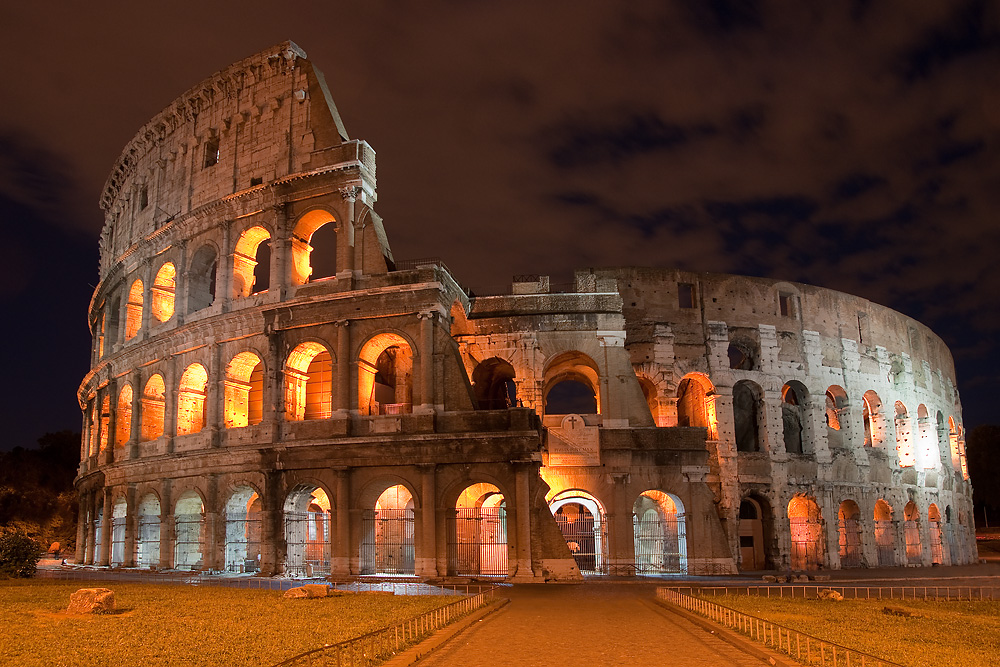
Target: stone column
x=216, y=390
x=131, y=524
x=135, y=426
x=426, y=561
x=522, y=502
x=426, y=405
x=281, y=254
x=170, y=380
x=344, y=399
x=270, y=521
x=621, y=543
x=167, y=534
x=104, y=557
x=224, y=270
x=273, y=403
x=80, y=557
x=345, y=234
x=213, y=548
x=147, y=299
x=341, y=551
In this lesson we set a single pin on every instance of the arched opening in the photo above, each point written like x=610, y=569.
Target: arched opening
x=696, y=403
x=836, y=412
x=133, y=310
x=953, y=446
x=309, y=383
x=659, y=534
x=934, y=527
x=793, y=416
x=112, y=319
x=119, y=515
x=307, y=531
x=105, y=420
x=314, y=247
x=943, y=444
x=747, y=400
x=583, y=523
x=754, y=534
x=571, y=382
x=926, y=438
x=904, y=441
x=191, y=400
x=244, y=390
x=97, y=524
x=123, y=416
x=871, y=414
x=885, y=541
x=387, y=545
x=493, y=385
x=147, y=537
x=189, y=534
x=911, y=531
x=385, y=376
x=252, y=249
x=243, y=530
x=742, y=356
x=162, y=294
x=201, y=279
x=649, y=394
x=849, y=528
x=153, y=402
x=460, y=325
x=477, y=533
x=806, y=526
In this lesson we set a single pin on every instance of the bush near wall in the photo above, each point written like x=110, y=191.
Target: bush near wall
x=19, y=554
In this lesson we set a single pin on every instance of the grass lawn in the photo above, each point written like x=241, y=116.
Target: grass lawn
x=160, y=624
x=948, y=633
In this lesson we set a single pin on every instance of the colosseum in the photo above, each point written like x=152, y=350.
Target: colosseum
x=272, y=391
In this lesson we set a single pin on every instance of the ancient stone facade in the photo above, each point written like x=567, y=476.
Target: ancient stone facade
x=271, y=391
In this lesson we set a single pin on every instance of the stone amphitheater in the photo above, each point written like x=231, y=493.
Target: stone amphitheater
x=272, y=391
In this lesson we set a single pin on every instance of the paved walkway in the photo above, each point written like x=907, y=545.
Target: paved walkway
x=588, y=625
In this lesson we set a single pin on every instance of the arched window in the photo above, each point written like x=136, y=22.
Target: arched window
x=314, y=247
x=147, y=539
x=792, y=416
x=249, y=253
x=153, y=402
x=162, y=294
x=385, y=376
x=904, y=441
x=244, y=390
x=836, y=410
x=112, y=316
x=571, y=385
x=926, y=438
x=133, y=310
x=308, y=383
x=742, y=356
x=191, y=400
x=105, y=419
x=871, y=414
x=696, y=403
x=747, y=416
x=493, y=385
x=201, y=279
x=123, y=416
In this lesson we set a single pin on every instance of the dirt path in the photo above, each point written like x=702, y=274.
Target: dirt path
x=588, y=626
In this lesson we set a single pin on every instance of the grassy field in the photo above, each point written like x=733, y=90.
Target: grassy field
x=158, y=624
x=948, y=633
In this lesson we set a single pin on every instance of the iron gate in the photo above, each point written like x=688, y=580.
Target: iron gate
x=806, y=535
x=387, y=547
x=585, y=538
x=657, y=544
x=187, y=544
x=477, y=542
x=242, y=541
x=850, y=543
x=937, y=548
x=307, y=541
x=147, y=546
x=912, y=532
x=885, y=544
x=117, y=541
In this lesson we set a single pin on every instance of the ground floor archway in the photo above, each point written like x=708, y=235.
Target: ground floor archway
x=659, y=534
x=307, y=531
x=387, y=545
x=583, y=524
x=189, y=531
x=477, y=533
x=806, y=531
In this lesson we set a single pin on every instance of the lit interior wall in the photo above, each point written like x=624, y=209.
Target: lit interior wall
x=244, y=390
x=873, y=419
x=696, y=403
x=245, y=259
x=400, y=391
x=191, y=400
x=307, y=225
x=123, y=416
x=308, y=382
x=105, y=419
x=904, y=439
x=133, y=310
x=153, y=405
x=162, y=296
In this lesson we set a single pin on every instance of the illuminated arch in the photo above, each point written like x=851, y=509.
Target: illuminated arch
x=307, y=531
x=105, y=420
x=147, y=538
x=493, y=385
x=934, y=529
x=304, y=243
x=243, y=530
x=849, y=530
x=477, y=533
x=696, y=403
x=911, y=532
x=793, y=416
x=385, y=375
x=308, y=382
x=658, y=529
x=885, y=539
x=119, y=515
x=387, y=545
x=583, y=522
x=189, y=534
x=571, y=384
x=191, y=400
x=873, y=419
x=244, y=391
x=133, y=310
x=806, y=526
x=123, y=416
x=153, y=404
x=162, y=293
x=245, y=258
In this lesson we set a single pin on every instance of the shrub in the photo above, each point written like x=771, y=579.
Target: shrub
x=19, y=554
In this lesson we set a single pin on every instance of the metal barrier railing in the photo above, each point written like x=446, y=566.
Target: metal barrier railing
x=857, y=592
x=805, y=648
x=378, y=646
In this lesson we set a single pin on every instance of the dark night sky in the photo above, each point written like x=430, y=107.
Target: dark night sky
x=852, y=145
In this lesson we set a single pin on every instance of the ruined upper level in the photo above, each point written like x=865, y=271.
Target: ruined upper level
x=258, y=123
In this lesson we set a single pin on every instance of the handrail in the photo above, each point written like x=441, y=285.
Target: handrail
x=379, y=645
x=799, y=645
x=811, y=591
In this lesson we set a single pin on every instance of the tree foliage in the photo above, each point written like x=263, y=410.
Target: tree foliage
x=19, y=554
x=982, y=450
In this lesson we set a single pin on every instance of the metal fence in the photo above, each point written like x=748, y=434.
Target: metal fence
x=805, y=648
x=387, y=547
x=811, y=592
x=307, y=543
x=477, y=542
x=376, y=647
x=657, y=544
